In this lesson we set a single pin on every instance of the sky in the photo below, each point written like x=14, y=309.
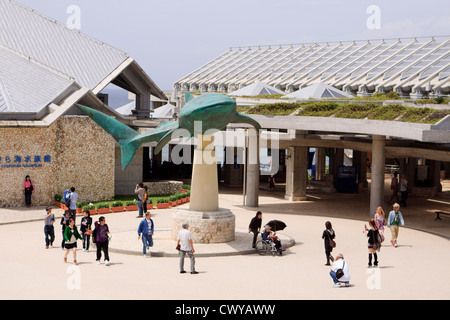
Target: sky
x=171, y=38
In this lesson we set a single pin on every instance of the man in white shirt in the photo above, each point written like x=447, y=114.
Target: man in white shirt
x=186, y=246
x=339, y=263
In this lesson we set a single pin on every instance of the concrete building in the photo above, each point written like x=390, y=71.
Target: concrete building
x=45, y=69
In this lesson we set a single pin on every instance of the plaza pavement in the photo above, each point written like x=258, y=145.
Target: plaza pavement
x=417, y=269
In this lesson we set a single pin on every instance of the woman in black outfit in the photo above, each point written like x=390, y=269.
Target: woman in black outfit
x=373, y=244
x=255, y=227
x=328, y=236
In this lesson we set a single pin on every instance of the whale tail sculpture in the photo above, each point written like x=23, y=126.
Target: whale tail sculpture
x=128, y=139
x=213, y=110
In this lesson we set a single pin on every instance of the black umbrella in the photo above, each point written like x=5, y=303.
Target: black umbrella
x=276, y=225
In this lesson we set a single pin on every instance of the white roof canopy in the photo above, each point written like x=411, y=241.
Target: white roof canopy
x=256, y=89
x=318, y=91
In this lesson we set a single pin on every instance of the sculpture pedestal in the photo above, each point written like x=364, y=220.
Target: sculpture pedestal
x=206, y=227
x=207, y=222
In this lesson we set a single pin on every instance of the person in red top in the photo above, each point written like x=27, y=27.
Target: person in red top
x=28, y=188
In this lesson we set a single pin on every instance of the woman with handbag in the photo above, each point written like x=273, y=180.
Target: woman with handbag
x=28, y=188
x=86, y=232
x=373, y=242
x=328, y=236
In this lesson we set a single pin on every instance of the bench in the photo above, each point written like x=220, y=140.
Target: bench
x=439, y=212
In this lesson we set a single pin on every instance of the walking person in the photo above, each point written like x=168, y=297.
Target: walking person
x=380, y=219
x=71, y=202
x=186, y=246
x=394, y=188
x=339, y=272
x=71, y=235
x=85, y=228
x=145, y=199
x=328, y=236
x=146, y=229
x=404, y=189
x=140, y=191
x=100, y=234
x=64, y=223
x=28, y=188
x=255, y=227
x=395, y=220
x=49, y=229
x=373, y=242
x=271, y=183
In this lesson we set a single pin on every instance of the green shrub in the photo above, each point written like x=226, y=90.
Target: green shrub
x=130, y=203
x=162, y=200
x=79, y=204
x=101, y=205
x=58, y=197
x=172, y=198
x=117, y=204
x=88, y=207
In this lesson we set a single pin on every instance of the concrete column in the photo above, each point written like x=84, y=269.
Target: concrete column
x=435, y=174
x=204, y=185
x=320, y=163
x=296, y=173
x=336, y=160
x=377, y=174
x=252, y=163
x=411, y=173
x=360, y=162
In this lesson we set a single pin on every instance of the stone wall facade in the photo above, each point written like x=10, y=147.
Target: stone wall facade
x=73, y=151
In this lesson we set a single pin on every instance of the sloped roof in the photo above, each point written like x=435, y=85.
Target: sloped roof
x=86, y=59
x=365, y=66
x=256, y=89
x=21, y=83
x=318, y=91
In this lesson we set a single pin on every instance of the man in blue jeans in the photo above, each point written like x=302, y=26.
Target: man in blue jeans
x=140, y=192
x=146, y=228
x=339, y=263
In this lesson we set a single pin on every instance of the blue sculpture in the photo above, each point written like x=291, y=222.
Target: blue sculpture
x=215, y=111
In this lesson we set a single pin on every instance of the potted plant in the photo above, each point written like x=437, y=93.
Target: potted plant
x=79, y=207
x=179, y=198
x=131, y=206
x=172, y=200
x=188, y=196
x=162, y=203
x=117, y=206
x=103, y=208
x=58, y=199
x=89, y=207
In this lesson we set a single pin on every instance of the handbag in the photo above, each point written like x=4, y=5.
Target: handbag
x=340, y=272
x=178, y=247
x=331, y=242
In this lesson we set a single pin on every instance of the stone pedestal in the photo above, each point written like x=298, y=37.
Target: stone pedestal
x=206, y=227
x=207, y=222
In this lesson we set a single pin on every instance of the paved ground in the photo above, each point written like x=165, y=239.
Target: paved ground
x=417, y=269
